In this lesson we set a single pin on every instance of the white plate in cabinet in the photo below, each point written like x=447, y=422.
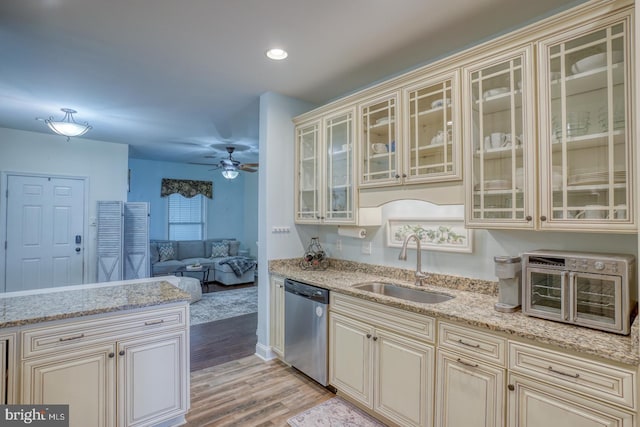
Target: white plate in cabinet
x=598, y=380
x=474, y=343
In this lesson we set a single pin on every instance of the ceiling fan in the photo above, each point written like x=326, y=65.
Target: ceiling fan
x=231, y=167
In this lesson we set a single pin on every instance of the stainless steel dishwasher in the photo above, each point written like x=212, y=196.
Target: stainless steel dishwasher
x=306, y=328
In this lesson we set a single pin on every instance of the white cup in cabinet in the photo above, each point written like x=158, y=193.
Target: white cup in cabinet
x=592, y=212
x=620, y=211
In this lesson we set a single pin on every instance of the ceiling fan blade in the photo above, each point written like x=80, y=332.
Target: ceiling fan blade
x=204, y=164
x=251, y=165
x=245, y=169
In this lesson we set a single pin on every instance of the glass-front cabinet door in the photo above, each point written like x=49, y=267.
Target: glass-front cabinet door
x=339, y=165
x=432, y=149
x=585, y=135
x=499, y=160
x=379, y=144
x=308, y=172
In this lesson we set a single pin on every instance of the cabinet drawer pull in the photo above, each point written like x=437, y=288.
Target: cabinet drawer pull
x=550, y=368
x=75, y=337
x=469, y=345
x=153, y=322
x=472, y=365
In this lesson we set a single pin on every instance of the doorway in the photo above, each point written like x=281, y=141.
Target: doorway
x=44, y=231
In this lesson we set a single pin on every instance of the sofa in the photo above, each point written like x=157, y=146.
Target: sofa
x=221, y=256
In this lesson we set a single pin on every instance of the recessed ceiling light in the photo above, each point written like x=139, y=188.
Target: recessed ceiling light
x=277, y=54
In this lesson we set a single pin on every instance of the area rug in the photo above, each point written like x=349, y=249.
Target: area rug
x=334, y=412
x=222, y=305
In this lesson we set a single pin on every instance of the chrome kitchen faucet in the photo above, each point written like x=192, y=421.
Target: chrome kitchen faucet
x=420, y=276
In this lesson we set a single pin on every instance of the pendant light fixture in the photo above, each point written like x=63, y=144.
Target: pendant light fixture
x=67, y=126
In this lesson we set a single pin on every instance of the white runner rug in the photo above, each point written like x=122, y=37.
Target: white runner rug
x=334, y=412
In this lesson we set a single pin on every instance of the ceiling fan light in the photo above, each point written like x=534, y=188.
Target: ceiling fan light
x=67, y=126
x=230, y=173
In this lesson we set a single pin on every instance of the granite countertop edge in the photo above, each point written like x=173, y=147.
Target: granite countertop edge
x=22, y=310
x=472, y=308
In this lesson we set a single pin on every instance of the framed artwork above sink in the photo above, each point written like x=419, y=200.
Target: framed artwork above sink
x=436, y=234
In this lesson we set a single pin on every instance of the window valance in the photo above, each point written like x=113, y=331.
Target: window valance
x=186, y=187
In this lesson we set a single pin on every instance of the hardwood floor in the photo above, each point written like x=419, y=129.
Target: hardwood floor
x=218, y=342
x=251, y=392
x=232, y=387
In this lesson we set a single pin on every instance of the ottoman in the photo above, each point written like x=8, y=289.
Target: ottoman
x=192, y=286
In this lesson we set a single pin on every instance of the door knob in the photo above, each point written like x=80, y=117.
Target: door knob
x=78, y=249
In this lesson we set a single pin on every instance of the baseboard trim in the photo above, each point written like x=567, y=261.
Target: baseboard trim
x=264, y=352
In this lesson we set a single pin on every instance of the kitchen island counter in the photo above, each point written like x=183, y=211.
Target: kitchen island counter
x=472, y=305
x=29, y=307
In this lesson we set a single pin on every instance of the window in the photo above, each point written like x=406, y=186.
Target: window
x=186, y=217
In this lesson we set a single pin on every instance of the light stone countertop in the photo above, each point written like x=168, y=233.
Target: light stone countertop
x=473, y=305
x=62, y=303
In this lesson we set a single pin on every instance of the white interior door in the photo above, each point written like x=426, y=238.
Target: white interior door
x=45, y=223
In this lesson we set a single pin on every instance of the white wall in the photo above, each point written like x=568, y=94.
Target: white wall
x=251, y=181
x=103, y=163
x=275, y=205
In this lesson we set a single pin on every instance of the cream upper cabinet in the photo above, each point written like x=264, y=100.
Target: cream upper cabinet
x=432, y=124
x=325, y=169
x=585, y=136
x=499, y=138
x=413, y=141
x=379, y=145
x=309, y=172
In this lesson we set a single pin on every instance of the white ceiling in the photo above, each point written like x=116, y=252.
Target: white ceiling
x=172, y=77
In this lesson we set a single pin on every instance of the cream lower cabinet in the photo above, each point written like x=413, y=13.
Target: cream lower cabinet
x=85, y=380
x=277, y=315
x=470, y=373
x=115, y=371
x=469, y=392
x=535, y=404
x=8, y=369
x=151, y=379
x=380, y=367
x=551, y=389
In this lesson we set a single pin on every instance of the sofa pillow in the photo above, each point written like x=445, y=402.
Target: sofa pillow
x=166, y=252
x=234, y=245
x=219, y=249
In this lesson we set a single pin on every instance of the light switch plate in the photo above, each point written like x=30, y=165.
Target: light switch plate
x=366, y=248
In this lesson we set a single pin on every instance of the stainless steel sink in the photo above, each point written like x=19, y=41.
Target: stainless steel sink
x=391, y=290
